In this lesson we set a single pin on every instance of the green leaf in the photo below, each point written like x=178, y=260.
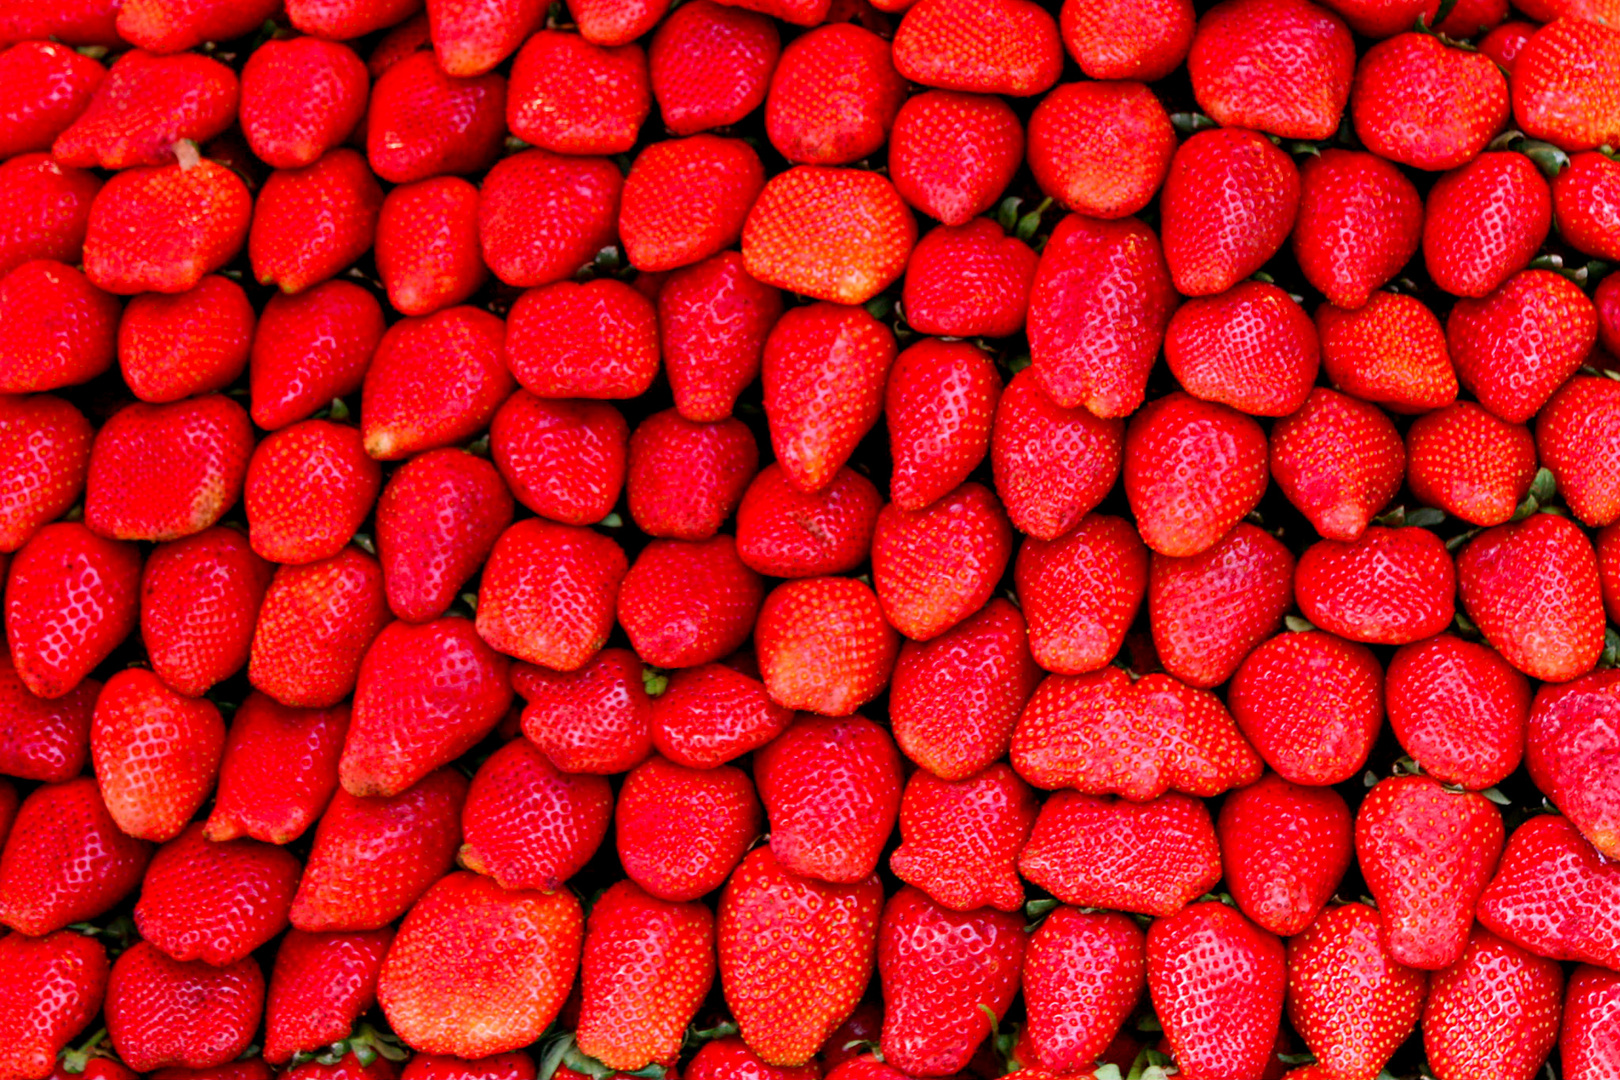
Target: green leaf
x=1611, y=648
x=1441, y=13
x=1109, y=1071
x=1426, y=517
x=1030, y=223
x=338, y=410
x=471, y=600
x=1298, y=624
x=656, y=681
x=719, y=1031
x=1496, y=796
x=879, y=306
x=1545, y=156
x=1465, y=625
x=551, y=1057
x=1369, y=779
x=364, y=542
x=1007, y=213
x=612, y=521
x=1035, y=909
x=1543, y=487
x=1297, y=1059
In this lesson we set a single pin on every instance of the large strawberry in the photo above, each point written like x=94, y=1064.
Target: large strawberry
x=56, y=986
x=969, y=280
x=1193, y=470
x=66, y=859
x=1470, y=250
x=1250, y=347
x=815, y=119
x=1583, y=204
x=1285, y=848
x=147, y=104
x=785, y=532
x=1555, y=895
x=1081, y=592
x=1207, y=611
x=939, y=404
x=71, y=598
x=959, y=840
x=66, y=82
x=434, y=381
x=315, y=625
x=1052, y=465
x=1338, y=460
x=309, y=488
x=529, y=826
x=1494, y=1012
x=1075, y=134
x=320, y=985
x=1389, y=587
x=52, y=204
x=1281, y=66
x=156, y=753
x=711, y=64
x=541, y=216
x=681, y=831
x=44, y=457
x=1587, y=1044
x=1229, y=203
x=424, y=122
x=311, y=348
x=1084, y=972
x=952, y=154
x=311, y=223
x=59, y=329
x=437, y=520
x=1575, y=437
x=1514, y=375
x=1419, y=102
x=594, y=720
x=279, y=770
x=166, y=1012
x=685, y=478
x=195, y=342
x=593, y=340
x=1000, y=47
x=163, y=229
x=712, y=322
x=300, y=98
x=1564, y=84
x=1458, y=709
x=1360, y=221
x=688, y=602
x=1571, y=739
x=823, y=645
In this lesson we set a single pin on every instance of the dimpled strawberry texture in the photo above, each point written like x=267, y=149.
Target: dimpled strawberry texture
x=822, y=483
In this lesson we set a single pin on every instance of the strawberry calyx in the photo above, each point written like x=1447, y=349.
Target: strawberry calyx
x=75, y=1059
x=563, y=1052
x=365, y=1042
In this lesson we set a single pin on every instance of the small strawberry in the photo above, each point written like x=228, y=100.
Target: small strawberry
x=44, y=456
x=42, y=739
x=434, y=381
x=712, y=321
x=1388, y=587
x=939, y=402
x=1555, y=895
x=833, y=96
x=934, y=567
x=156, y=753
x=562, y=458
x=162, y=1011
x=146, y=105
x=300, y=98
x=689, y=602
x=681, y=831
x=1001, y=47
x=51, y=207
x=1250, y=347
x=686, y=199
x=45, y=87
x=952, y=155
x=527, y=825
x=1469, y=463
x=711, y=65
x=423, y=122
x=1506, y=41
x=308, y=490
x=1419, y=102
x=969, y=280
x=164, y=229
x=1052, y=465
x=548, y=592
x=1360, y=222
x=514, y=1066
x=55, y=989
x=1285, y=848
x=1587, y=1044
x=1075, y=136
x=1081, y=592
x=311, y=348
x=321, y=985
x=279, y=770
x=1570, y=738
x=1283, y=67
x=1391, y=351
x=1575, y=436
x=71, y=598
x=1229, y=203
x=596, y=340
x=215, y=902
x=1339, y=460
x=56, y=328
x=1483, y=223
x=824, y=645
x=686, y=478
x=310, y=223
x=427, y=245
x=66, y=860
x=1083, y=975
x=607, y=23
x=959, y=840
x=541, y=216
x=713, y=713
x=594, y=720
x=316, y=622
x=729, y=1058
x=1458, y=709
x=437, y=520
x=1493, y=1012
x=195, y=342
x=471, y=38
x=784, y=532
x=1565, y=84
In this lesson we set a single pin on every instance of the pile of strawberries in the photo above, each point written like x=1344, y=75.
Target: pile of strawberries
x=639, y=539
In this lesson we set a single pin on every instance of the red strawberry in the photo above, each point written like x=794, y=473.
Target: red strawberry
x=1360, y=222
x=1339, y=460
x=1083, y=976
x=437, y=520
x=1483, y=223
x=1250, y=347
x=195, y=342
x=824, y=645
x=1426, y=854
x=1575, y=436
x=50, y=209
x=57, y=328
x=606, y=23
x=1001, y=47
x=596, y=340
x=686, y=478
x=1587, y=1046
x=434, y=381
x=310, y=223
x=1606, y=297
x=44, y=455
x=1532, y=589
x=156, y=753
x=942, y=972
x=71, y=598
x=471, y=38
x=1193, y=470
x=171, y=26
x=686, y=603
x=969, y=280
x=1608, y=553
x=1584, y=198
x=321, y=985
x=316, y=623
x=146, y=105
x=215, y=902
x=1075, y=135
x=66, y=860
x=934, y=567
x=1391, y=351
x=1422, y=103
x=478, y=970
x=300, y=98
x=1052, y=465
x=347, y=1067
x=373, y=857
x=831, y=789
x=1555, y=895
x=1217, y=983
x=710, y=714
x=1389, y=587
x=56, y=987
x=959, y=840
x=685, y=199
x=1458, y=709
x=711, y=65
x=1351, y=1002
x=1151, y=857
x=833, y=96
x=712, y=322
x=162, y=1011
x=427, y=245
x=40, y=739
x=529, y=826
x=423, y=122
x=1281, y=66
x=1506, y=41
x=1116, y=40
x=1469, y=463
x=795, y=955
x=1285, y=849
x=76, y=22
x=1207, y=611
x=340, y=20
x=309, y=488
x=952, y=155
x=1570, y=739
x=681, y=831
x=311, y=348
x=279, y=771
x=728, y=1057
x=1493, y=1012
x=45, y=87
x=831, y=234
x=1511, y=375
x=1564, y=84
x=542, y=216
x=940, y=399
x=564, y=459
x=1311, y=704
x=1081, y=593
x=164, y=229
x=647, y=966
x=514, y=1066
x=594, y=720
x=1229, y=203
x=548, y=593
x=1098, y=309
x=784, y=532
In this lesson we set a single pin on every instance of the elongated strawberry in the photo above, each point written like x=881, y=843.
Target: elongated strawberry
x=71, y=598
x=1360, y=221
x=1081, y=592
x=66, y=859
x=156, y=753
x=1285, y=848
x=1052, y=465
x=311, y=348
x=959, y=841
x=434, y=381
x=1229, y=203
x=934, y=567
x=528, y=826
x=166, y=1012
x=1493, y=1012
x=301, y=97
x=316, y=624
x=548, y=593
x=681, y=831
x=44, y=457
x=437, y=519
x=1193, y=469
x=309, y=488
x=57, y=987
x=712, y=322
x=711, y=714
x=279, y=770
x=1083, y=975
x=1569, y=737
x=321, y=985
x=1468, y=250
x=311, y=223
x=1339, y=460
x=1306, y=56
x=1458, y=709
x=939, y=403
x=427, y=245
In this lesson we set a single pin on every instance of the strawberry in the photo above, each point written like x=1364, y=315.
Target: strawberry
x=1514, y=377
x=1339, y=460
x=785, y=532
x=514, y=1066
x=163, y=472
x=1081, y=593
x=1075, y=137
x=795, y=955
x=1151, y=857
x=542, y=216
x=1385, y=18
x=215, y=902
x=1283, y=67
x=168, y=26
x=954, y=700
x=729, y=1058
x=1584, y=200
x=943, y=972
x=1311, y=703
x=347, y=1067
x=934, y=567
x=1098, y=309
x=548, y=593
x=56, y=987
x=527, y=825
x=605, y=23
x=1217, y=983
x=685, y=477
x=830, y=234
x=71, y=598
x=1458, y=709
x=1570, y=737
x=1532, y=589
x=311, y=348
x=437, y=520
x=1118, y=40
x=1193, y=470
x=1389, y=587
x=1504, y=43
x=711, y=65
x=1285, y=848
x=1052, y=465
x=712, y=713
x=571, y=97
x=594, y=720
x=1351, y=1002
x=471, y=38
x=686, y=199
x=1360, y=221
x=816, y=117
x=1574, y=436
x=44, y=456
x=75, y=22
x=959, y=840
x=156, y=753
x=340, y=20
x=1469, y=463
x=940, y=400
x=681, y=831
x=1608, y=553
x=1207, y=611
x=831, y=789
x=40, y=739
x=310, y=223
x=58, y=329
x=1587, y=1044
x=1564, y=84
x=162, y=1011
x=1083, y=976
x=1391, y=351
x=1606, y=298
x=1001, y=47
x=689, y=602
x=596, y=340
x=1105, y=734
x=434, y=381
x=51, y=203
x=969, y=280
x=45, y=86
x=1250, y=347
x=279, y=770
x=1426, y=854
x=646, y=968
x=195, y=342
x=427, y=245
x=1554, y=894
x=1493, y=1012
x=1422, y=103
x=309, y=488
x=564, y=459
x=476, y=969
x=424, y=122
x=316, y=623
x=712, y=323
x=1483, y=223
x=321, y=985
x=372, y=857
x=300, y=98
x=951, y=155
x=147, y=104
x=164, y=229
x=66, y=860
x=1229, y=203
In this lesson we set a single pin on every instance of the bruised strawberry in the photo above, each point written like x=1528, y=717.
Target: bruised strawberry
x=316, y=623
x=594, y=720
x=45, y=87
x=1484, y=222
x=548, y=593
x=471, y=38
x=279, y=770
x=422, y=122
x=195, y=342
x=1554, y=894
x=784, y=532
x=1360, y=221
x=1575, y=438
x=951, y=155
x=1285, y=848
x=1000, y=47
x=711, y=65
x=215, y=902
x=1338, y=460
x=529, y=826
x=541, y=216
x=56, y=328
x=66, y=859
x=437, y=520
x=1250, y=347
x=156, y=753
x=41, y=739
x=681, y=831
x=833, y=96
x=1565, y=85
x=71, y=598
x=1081, y=592
x=685, y=478
x=56, y=987
x=1120, y=40
x=427, y=245
x=44, y=456
x=164, y=229
x=1229, y=203
x=686, y=199
x=596, y=340
x=711, y=714
x=321, y=985
x=934, y=567
x=1584, y=204
x=310, y=223
x=1391, y=351
x=1569, y=738
x=310, y=349
x=162, y=1011
x=1493, y=1012
x=970, y=280
x=959, y=840
x=1207, y=611
x=571, y=97
x=50, y=210
x=1469, y=463
x=1075, y=134
x=300, y=98
x=1419, y=102
x=1283, y=67
x=200, y=600
x=712, y=321
x=1387, y=587
x=146, y=105
x=1052, y=465
x=562, y=458
x=1458, y=709
x=434, y=381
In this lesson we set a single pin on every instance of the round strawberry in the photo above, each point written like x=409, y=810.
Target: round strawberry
x=1279, y=66
x=686, y=199
x=711, y=65
x=1458, y=709
x=1250, y=347
x=951, y=155
x=1419, y=102
x=1076, y=135
x=833, y=96
x=572, y=97
x=1360, y=222
x=824, y=645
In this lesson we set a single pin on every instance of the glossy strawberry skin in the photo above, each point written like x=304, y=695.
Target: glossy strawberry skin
x=711, y=714
x=815, y=118
x=59, y=984
x=1360, y=222
x=1285, y=848
x=548, y=593
x=279, y=770
x=1389, y=587
x=784, y=532
x=1515, y=383
x=1554, y=894
x=42, y=739
x=52, y=203
x=514, y=1066
x=44, y=457
x=434, y=381
x=162, y=1011
x=969, y=280
x=1391, y=351
x=939, y=403
x=1570, y=736
x=1081, y=592
x=1483, y=222
x=685, y=200
x=71, y=598
x=1083, y=975
x=215, y=902
x=934, y=567
x=195, y=342
x=597, y=340
x=1420, y=103
x=711, y=65
x=1306, y=52
x=1586, y=1044
x=316, y=623
x=321, y=984
x=427, y=245
x=541, y=216
x=1574, y=434
x=156, y=753
x=311, y=223
x=308, y=490
x=200, y=598
x=823, y=645
x=959, y=841
x=1250, y=347
x=529, y=826
x=728, y=1057
x=594, y=720
x=422, y=122
x=712, y=323
x=1128, y=41
x=437, y=519
x=1458, y=709
x=300, y=98
x=205, y=211
x=66, y=859
x=685, y=478
x=311, y=348
x=1052, y=465
x=1007, y=47
x=572, y=97
x=952, y=154
x=45, y=86
x=685, y=603
x=1469, y=463
x=1494, y=1011
x=59, y=328
x=1073, y=134
x=563, y=459
x=1563, y=84
x=340, y=20
x=145, y=105
x=681, y=831
x=1584, y=198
